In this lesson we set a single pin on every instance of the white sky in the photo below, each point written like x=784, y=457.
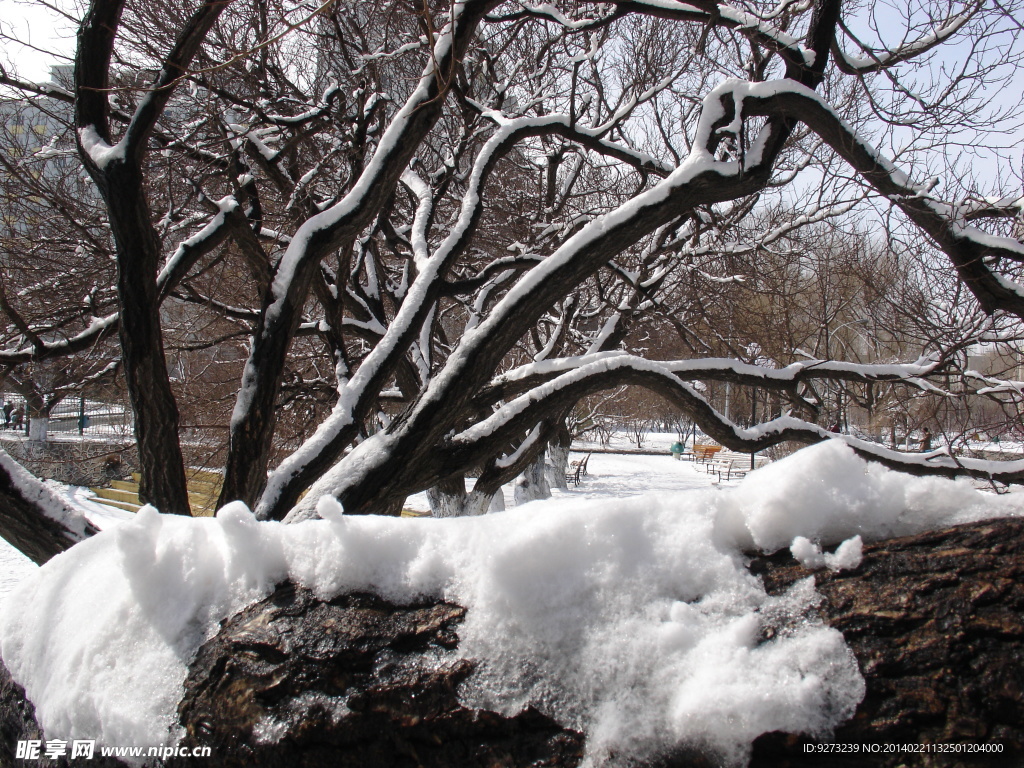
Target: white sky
x=992, y=168
x=39, y=28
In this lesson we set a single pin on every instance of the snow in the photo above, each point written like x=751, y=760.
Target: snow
x=98, y=150
x=847, y=556
x=633, y=618
x=14, y=568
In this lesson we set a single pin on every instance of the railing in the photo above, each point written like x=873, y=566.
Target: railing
x=72, y=417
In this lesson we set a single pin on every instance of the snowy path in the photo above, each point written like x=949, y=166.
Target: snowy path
x=615, y=476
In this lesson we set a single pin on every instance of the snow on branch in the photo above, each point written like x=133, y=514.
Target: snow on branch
x=967, y=246
x=668, y=380
x=527, y=377
x=996, y=386
x=723, y=14
x=874, y=61
x=99, y=329
x=196, y=246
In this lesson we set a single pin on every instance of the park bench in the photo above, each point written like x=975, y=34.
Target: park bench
x=727, y=468
x=577, y=470
x=704, y=453
x=729, y=465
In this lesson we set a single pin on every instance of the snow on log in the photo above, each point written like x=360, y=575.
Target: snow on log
x=34, y=519
x=635, y=622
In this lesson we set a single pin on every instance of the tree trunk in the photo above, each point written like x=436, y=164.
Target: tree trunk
x=558, y=453
x=533, y=484
x=480, y=502
x=38, y=427
x=37, y=416
x=120, y=180
x=448, y=498
x=34, y=520
x=162, y=467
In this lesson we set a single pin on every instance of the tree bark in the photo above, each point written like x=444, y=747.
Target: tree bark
x=377, y=689
x=935, y=621
x=448, y=498
x=558, y=453
x=163, y=482
x=533, y=484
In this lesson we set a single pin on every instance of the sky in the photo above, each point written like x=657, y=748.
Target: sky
x=989, y=168
x=40, y=28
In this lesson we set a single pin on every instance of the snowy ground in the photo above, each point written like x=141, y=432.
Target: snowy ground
x=614, y=476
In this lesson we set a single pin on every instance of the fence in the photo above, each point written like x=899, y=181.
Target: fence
x=78, y=417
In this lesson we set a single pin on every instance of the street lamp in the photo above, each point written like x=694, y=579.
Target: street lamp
x=862, y=322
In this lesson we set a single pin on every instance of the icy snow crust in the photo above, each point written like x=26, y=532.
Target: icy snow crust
x=633, y=619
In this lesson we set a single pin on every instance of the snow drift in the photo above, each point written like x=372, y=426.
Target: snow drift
x=634, y=620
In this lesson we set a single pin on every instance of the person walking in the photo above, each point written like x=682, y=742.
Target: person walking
x=926, y=440
x=7, y=414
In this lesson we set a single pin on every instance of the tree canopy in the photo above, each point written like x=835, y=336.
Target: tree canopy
x=396, y=243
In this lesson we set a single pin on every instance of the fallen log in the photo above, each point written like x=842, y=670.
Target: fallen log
x=33, y=519
x=935, y=621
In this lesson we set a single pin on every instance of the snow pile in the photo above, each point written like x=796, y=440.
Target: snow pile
x=632, y=619
x=14, y=567
x=847, y=556
x=826, y=494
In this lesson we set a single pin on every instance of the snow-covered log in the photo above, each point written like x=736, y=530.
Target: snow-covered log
x=33, y=518
x=933, y=620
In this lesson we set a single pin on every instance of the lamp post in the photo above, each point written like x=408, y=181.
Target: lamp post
x=862, y=322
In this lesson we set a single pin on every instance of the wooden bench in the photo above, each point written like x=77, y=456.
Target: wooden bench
x=704, y=453
x=577, y=471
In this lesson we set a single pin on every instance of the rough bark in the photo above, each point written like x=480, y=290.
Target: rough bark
x=357, y=681
x=935, y=621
